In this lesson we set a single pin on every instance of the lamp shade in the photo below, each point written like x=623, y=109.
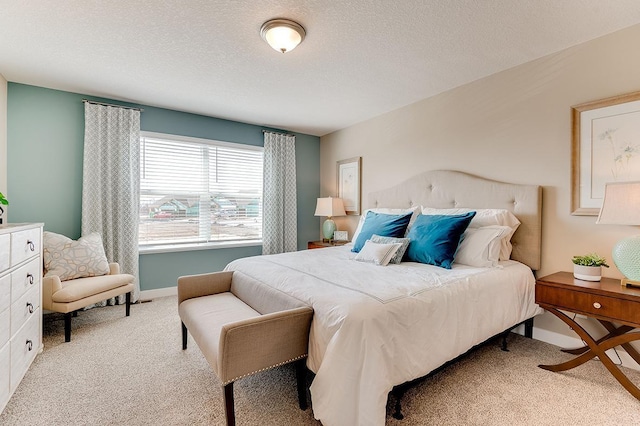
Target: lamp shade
x=621, y=206
x=330, y=207
x=282, y=34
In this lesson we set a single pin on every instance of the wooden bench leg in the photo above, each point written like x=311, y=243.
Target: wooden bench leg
x=67, y=326
x=228, y=404
x=184, y=336
x=128, y=301
x=301, y=375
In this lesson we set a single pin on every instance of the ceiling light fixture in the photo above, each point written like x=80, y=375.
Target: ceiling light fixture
x=282, y=34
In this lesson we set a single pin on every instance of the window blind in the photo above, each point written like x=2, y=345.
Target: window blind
x=196, y=190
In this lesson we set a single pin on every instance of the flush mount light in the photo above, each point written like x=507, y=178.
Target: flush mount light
x=282, y=34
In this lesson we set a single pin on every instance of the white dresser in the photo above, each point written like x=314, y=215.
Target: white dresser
x=20, y=301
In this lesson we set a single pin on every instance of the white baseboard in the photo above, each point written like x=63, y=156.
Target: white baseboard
x=564, y=341
x=158, y=292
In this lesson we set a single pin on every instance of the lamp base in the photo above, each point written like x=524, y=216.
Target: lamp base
x=328, y=228
x=626, y=256
x=629, y=283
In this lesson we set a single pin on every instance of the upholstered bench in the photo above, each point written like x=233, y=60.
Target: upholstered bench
x=243, y=327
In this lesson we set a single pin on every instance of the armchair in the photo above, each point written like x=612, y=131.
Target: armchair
x=69, y=296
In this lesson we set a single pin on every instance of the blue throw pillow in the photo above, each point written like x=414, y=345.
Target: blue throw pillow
x=385, y=225
x=435, y=238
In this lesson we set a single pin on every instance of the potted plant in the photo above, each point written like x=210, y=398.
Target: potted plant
x=3, y=202
x=588, y=267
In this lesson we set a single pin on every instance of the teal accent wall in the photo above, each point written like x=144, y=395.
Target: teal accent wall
x=45, y=138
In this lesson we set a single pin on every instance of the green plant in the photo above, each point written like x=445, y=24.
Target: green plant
x=591, y=259
x=3, y=200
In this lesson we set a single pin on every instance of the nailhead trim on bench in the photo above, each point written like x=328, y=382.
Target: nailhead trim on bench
x=265, y=369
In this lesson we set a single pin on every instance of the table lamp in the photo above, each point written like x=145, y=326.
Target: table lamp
x=329, y=207
x=621, y=206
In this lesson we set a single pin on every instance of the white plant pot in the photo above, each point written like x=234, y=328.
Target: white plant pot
x=587, y=273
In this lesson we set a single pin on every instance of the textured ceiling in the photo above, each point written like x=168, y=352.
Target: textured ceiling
x=360, y=58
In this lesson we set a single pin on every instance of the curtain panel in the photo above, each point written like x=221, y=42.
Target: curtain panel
x=111, y=184
x=280, y=223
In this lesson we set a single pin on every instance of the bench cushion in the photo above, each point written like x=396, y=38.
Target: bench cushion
x=205, y=316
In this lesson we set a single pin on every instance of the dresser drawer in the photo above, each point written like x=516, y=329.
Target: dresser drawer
x=24, y=278
x=24, y=347
x=24, y=308
x=603, y=307
x=5, y=318
x=5, y=251
x=24, y=244
x=5, y=292
x=5, y=373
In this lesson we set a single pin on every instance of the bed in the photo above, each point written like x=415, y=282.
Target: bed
x=377, y=327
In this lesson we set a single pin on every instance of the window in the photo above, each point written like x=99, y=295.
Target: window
x=198, y=191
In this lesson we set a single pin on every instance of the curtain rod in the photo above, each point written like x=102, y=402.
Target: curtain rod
x=278, y=133
x=112, y=105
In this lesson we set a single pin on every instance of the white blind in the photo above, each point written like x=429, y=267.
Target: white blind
x=196, y=190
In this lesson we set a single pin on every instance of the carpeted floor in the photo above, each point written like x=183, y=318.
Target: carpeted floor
x=132, y=371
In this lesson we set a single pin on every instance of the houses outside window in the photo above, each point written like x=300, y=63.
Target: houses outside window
x=198, y=191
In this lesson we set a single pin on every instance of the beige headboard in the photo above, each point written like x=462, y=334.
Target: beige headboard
x=448, y=189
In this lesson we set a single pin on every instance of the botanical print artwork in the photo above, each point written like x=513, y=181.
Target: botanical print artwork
x=615, y=143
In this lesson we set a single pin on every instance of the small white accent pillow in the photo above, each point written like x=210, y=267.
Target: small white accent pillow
x=380, y=254
x=480, y=247
x=486, y=217
x=71, y=259
x=415, y=211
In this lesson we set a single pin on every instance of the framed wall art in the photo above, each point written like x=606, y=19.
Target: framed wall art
x=349, y=184
x=605, y=148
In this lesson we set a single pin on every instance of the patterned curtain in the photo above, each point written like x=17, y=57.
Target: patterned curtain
x=111, y=184
x=279, y=222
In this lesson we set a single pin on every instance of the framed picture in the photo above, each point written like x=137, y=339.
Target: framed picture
x=605, y=148
x=349, y=184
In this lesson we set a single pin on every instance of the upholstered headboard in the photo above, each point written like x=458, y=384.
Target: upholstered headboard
x=449, y=189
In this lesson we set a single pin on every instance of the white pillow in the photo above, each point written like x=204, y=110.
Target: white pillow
x=480, y=247
x=415, y=211
x=377, y=253
x=71, y=259
x=485, y=217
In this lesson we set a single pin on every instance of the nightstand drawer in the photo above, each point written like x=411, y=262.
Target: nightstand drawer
x=595, y=305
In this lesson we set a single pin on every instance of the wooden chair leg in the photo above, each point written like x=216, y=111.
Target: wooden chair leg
x=67, y=326
x=228, y=404
x=128, y=301
x=301, y=376
x=184, y=336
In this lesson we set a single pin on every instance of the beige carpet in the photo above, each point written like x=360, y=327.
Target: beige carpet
x=132, y=371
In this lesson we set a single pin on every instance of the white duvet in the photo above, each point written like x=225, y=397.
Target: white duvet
x=376, y=327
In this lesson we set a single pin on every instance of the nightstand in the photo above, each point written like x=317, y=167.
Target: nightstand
x=606, y=301
x=323, y=244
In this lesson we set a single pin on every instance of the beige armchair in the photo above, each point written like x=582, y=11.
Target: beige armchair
x=68, y=297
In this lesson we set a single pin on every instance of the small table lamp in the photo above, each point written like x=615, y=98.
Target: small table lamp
x=621, y=206
x=329, y=207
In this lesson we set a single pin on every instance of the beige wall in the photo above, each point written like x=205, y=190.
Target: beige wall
x=3, y=135
x=514, y=126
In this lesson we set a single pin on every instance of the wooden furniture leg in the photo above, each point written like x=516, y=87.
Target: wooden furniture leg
x=596, y=348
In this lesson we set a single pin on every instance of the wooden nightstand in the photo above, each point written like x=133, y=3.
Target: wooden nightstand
x=323, y=244
x=605, y=300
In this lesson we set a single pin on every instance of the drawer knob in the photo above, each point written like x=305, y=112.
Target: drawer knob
x=29, y=345
x=32, y=246
x=597, y=305
x=30, y=278
x=30, y=307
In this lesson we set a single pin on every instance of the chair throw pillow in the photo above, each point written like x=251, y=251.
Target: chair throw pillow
x=70, y=259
